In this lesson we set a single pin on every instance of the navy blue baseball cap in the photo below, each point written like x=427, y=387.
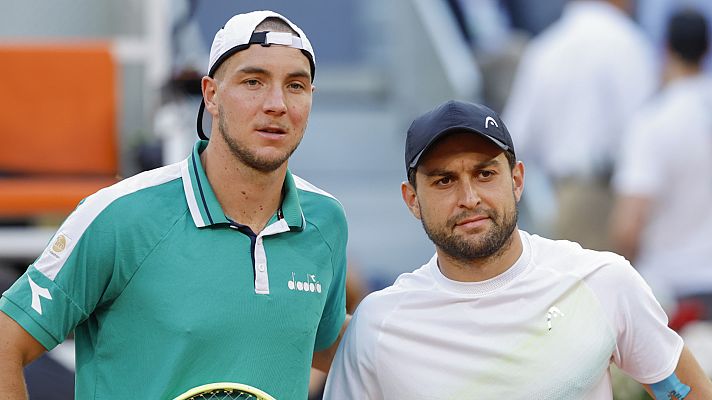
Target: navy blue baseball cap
x=454, y=116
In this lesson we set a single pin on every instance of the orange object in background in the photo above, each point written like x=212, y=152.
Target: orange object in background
x=58, y=126
x=43, y=196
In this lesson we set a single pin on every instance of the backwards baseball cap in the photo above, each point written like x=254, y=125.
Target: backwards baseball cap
x=239, y=33
x=453, y=117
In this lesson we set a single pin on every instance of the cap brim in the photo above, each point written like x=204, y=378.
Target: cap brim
x=448, y=131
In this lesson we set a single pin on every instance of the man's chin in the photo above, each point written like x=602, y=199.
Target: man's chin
x=268, y=162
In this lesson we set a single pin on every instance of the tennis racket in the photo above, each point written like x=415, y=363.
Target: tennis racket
x=224, y=391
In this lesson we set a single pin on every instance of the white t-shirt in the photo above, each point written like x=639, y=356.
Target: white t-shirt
x=667, y=158
x=547, y=328
x=576, y=86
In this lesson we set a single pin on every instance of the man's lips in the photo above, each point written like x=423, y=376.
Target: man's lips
x=272, y=133
x=472, y=221
x=272, y=130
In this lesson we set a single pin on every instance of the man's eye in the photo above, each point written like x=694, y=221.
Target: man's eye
x=296, y=86
x=443, y=181
x=252, y=82
x=486, y=174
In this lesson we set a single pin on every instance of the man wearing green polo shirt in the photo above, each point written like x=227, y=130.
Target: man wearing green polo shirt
x=223, y=267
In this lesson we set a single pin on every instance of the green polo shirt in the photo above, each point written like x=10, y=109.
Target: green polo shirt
x=164, y=293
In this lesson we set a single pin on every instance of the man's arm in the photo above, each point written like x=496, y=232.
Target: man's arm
x=17, y=349
x=322, y=359
x=689, y=373
x=628, y=219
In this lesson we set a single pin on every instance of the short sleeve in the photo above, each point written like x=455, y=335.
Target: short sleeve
x=335, y=308
x=65, y=283
x=353, y=373
x=41, y=307
x=646, y=349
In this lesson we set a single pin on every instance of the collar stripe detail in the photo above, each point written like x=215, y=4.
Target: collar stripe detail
x=208, y=211
x=190, y=195
x=200, y=189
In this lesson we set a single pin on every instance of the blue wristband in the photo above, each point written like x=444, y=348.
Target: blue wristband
x=671, y=386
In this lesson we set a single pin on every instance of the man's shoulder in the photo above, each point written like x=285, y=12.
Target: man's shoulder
x=603, y=271
x=318, y=204
x=668, y=107
x=407, y=285
x=376, y=307
x=132, y=202
x=311, y=190
x=567, y=257
x=145, y=193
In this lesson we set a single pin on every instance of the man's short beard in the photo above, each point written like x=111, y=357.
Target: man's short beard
x=248, y=158
x=491, y=246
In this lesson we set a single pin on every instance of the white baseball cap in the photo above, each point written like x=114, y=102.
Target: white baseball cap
x=239, y=33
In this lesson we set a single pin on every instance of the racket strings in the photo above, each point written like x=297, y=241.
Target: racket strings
x=224, y=394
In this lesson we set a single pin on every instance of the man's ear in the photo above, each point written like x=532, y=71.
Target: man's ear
x=209, y=87
x=410, y=198
x=518, y=180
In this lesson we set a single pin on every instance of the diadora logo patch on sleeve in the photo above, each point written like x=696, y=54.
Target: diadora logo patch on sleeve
x=60, y=245
x=37, y=292
x=310, y=284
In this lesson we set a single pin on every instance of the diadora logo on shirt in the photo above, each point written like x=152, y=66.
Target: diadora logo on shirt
x=310, y=284
x=37, y=292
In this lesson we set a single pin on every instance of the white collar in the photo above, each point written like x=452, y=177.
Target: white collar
x=486, y=287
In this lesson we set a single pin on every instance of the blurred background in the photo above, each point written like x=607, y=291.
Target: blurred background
x=95, y=90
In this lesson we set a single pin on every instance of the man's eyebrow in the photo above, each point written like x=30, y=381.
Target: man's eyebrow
x=261, y=71
x=254, y=70
x=299, y=74
x=444, y=172
x=437, y=172
x=489, y=163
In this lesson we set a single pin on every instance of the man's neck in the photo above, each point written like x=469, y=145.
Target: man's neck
x=677, y=69
x=485, y=268
x=247, y=196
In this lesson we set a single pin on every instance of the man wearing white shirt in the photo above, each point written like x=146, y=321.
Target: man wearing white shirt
x=575, y=87
x=662, y=219
x=497, y=312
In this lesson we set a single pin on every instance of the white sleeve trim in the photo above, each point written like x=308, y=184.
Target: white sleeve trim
x=304, y=185
x=62, y=244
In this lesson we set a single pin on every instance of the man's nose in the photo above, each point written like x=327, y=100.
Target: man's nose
x=469, y=196
x=274, y=102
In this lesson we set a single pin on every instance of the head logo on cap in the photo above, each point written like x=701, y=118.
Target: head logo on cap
x=488, y=120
